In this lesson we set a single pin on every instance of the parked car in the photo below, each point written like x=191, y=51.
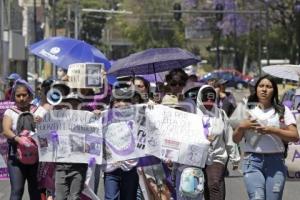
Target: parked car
x=235, y=73
x=232, y=80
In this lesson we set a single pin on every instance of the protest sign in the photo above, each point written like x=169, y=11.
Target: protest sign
x=85, y=75
x=292, y=160
x=122, y=134
x=3, y=142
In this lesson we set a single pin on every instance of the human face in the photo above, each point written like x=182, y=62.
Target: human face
x=22, y=97
x=208, y=99
x=121, y=104
x=140, y=86
x=176, y=85
x=265, y=91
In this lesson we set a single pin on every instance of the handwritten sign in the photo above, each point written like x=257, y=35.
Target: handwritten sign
x=122, y=134
x=85, y=75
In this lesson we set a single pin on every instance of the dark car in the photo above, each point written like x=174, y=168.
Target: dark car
x=232, y=80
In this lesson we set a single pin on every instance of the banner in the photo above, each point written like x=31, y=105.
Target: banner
x=3, y=142
x=120, y=134
x=292, y=160
x=85, y=75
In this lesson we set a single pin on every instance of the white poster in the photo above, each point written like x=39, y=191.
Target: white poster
x=85, y=75
x=77, y=136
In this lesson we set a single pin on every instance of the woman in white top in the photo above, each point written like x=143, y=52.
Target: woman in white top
x=266, y=128
x=22, y=95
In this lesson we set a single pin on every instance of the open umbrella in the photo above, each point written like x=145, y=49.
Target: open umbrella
x=63, y=51
x=290, y=72
x=152, y=61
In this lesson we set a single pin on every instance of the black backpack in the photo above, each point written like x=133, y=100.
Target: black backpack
x=25, y=121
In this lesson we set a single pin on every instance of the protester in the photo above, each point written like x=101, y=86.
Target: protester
x=266, y=127
x=176, y=80
x=11, y=80
x=226, y=100
x=46, y=171
x=69, y=177
x=22, y=95
x=121, y=179
x=219, y=133
x=143, y=87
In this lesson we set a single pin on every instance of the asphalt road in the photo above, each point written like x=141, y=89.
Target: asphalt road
x=235, y=189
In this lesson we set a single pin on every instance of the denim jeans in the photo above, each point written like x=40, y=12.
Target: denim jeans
x=121, y=185
x=264, y=175
x=18, y=174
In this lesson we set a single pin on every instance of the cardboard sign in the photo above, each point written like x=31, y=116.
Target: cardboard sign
x=85, y=75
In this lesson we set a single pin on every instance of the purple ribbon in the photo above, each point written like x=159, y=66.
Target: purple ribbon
x=92, y=162
x=206, y=125
x=54, y=137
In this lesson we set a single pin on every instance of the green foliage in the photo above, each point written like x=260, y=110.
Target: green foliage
x=151, y=25
x=91, y=24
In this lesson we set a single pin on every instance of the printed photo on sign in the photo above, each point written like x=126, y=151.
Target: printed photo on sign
x=77, y=143
x=93, y=75
x=93, y=145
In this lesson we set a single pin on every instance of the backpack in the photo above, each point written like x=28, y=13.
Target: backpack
x=191, y=182
x=25, y=125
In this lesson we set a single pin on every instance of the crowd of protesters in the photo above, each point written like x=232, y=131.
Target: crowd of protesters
x=266, y=127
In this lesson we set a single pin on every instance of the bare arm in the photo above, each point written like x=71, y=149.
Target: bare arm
x=7, y=131
x=242, y=127
x=289, y=134
x=7, y=124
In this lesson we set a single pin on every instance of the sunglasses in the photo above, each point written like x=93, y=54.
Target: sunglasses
x=177, y=83
x=209, y=96
x=140, y=86
x=192, y=95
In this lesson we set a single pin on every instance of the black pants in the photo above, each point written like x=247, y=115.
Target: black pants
x=18, y=174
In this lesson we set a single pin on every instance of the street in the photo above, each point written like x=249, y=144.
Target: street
x=235, y=189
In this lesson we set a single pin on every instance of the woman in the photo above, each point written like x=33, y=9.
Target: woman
x=22, y=95
x=268, y=126
x=121, y=179
x=219, y=133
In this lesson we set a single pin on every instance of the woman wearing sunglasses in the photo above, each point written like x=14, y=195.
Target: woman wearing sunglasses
x=219, y=133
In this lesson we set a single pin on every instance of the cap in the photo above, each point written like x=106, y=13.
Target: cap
x=14, y=76
x=190, y=86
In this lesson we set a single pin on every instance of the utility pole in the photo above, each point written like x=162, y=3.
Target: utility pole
x=77, y=15
x=36, y=69
x=4, y=37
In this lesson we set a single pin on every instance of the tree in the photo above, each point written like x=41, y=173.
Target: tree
x=92, y=23
x=151, y=24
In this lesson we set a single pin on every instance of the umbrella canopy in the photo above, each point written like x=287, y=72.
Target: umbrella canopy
x=290, y=72
x=153, y=60
x=63, y=51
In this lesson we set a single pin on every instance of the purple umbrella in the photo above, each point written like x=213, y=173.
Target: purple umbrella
x=153, y=60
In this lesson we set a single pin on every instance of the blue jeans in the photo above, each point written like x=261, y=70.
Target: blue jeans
x=121, y=185
x=264, y=175
x=18, y=174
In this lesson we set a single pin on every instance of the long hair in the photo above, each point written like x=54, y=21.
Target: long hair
x=252, y=99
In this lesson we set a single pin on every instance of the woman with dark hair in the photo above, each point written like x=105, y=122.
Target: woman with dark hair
x=143, y=87
x=176, y=80
x=22, y=95
x=266, y=128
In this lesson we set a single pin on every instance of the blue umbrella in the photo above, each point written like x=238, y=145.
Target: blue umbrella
x=153, y=60
x=63, y=51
